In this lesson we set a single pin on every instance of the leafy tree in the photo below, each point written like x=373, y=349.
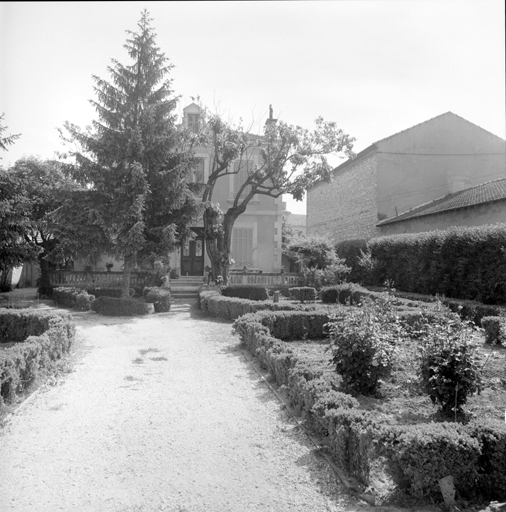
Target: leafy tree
x=313, y=251
x=44, y=187
x=15, y=245
x=134, y=162
x=9, y=139
x=14, y=248
x=319, y=263
x=291, y=160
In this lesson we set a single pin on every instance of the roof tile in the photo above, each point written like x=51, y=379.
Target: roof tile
x=484, y=193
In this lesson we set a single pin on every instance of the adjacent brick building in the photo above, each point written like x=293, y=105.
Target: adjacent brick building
x=476, y=206
x=440, y=156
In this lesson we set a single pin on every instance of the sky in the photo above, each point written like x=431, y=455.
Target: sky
x=375, y=67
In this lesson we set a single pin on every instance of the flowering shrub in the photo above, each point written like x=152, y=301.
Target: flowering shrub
x=449, y=371
x=362, y=342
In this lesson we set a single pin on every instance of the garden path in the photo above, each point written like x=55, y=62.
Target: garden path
x=161, y=413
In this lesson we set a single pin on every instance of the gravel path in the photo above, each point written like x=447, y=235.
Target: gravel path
x=161, y=413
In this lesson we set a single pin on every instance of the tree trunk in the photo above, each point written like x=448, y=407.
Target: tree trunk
x=125, y=286
x=218, y=236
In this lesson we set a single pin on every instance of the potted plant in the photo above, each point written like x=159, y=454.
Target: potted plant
x=109, y=266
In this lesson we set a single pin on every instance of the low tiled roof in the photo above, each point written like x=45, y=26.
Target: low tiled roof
x=480, y=194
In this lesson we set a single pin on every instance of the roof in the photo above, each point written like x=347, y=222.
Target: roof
x=480, y=194
x=374, y=145
x=433, y=119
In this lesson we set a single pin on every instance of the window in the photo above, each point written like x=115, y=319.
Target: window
x=242, y=168
x=193, y=122
x=242, y=247
x=198, y=171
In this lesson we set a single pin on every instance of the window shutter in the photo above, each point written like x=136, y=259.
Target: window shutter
x=242, y=247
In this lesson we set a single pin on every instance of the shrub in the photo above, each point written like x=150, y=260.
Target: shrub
x=472, y=310
x=449, y=370
x=492, y=462
x=245, y=292
x=39, y=340
x=112, y=306
x=317, y=277
x=160, y=297
x=109, y=292
x=464, y=263
x=44, y=287
x=362, y=343
x=74, y=298
x=495, y=329
x=348, y=293
x=288, y=325
x=420, y=455
x=230, y=308
x=303, y=293
x=313, y=251
x=350, y=251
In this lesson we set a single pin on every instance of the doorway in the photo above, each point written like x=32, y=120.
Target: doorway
x=192, y=255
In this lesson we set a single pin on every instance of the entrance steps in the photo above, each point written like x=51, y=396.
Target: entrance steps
x=186, y=287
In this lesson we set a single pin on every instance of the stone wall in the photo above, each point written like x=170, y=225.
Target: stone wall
x=346, y=208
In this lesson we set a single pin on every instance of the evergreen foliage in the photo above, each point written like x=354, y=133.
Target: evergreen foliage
x=7, y=140
x=134, y=163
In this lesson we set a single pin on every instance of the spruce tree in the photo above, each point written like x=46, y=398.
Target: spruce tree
x=133, y=163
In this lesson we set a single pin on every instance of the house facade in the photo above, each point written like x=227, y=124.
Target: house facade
x=475, y=206
x=440, y=156
x=256, y=237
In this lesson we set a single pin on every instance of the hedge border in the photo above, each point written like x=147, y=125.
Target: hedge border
x=356, y=439
x=24, y=363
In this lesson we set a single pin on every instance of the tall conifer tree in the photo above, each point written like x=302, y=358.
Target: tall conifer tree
x=133, y=163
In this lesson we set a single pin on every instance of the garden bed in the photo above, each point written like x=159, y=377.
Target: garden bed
x=395, y=443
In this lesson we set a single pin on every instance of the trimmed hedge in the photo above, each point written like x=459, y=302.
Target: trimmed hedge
x=109, y=292
x=74, y=298
x=303, y=293
x=343, y=294
x=32, y=344
x=420, y=455
x=417, y=455
x=249, y=292
x=288, y=325
x=159, y=297
x=495, y=329
x=112, y=306
x=464, y=263
x=229, y=308
x=472, y=310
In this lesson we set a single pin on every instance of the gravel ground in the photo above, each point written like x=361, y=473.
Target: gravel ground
x=161, y=413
